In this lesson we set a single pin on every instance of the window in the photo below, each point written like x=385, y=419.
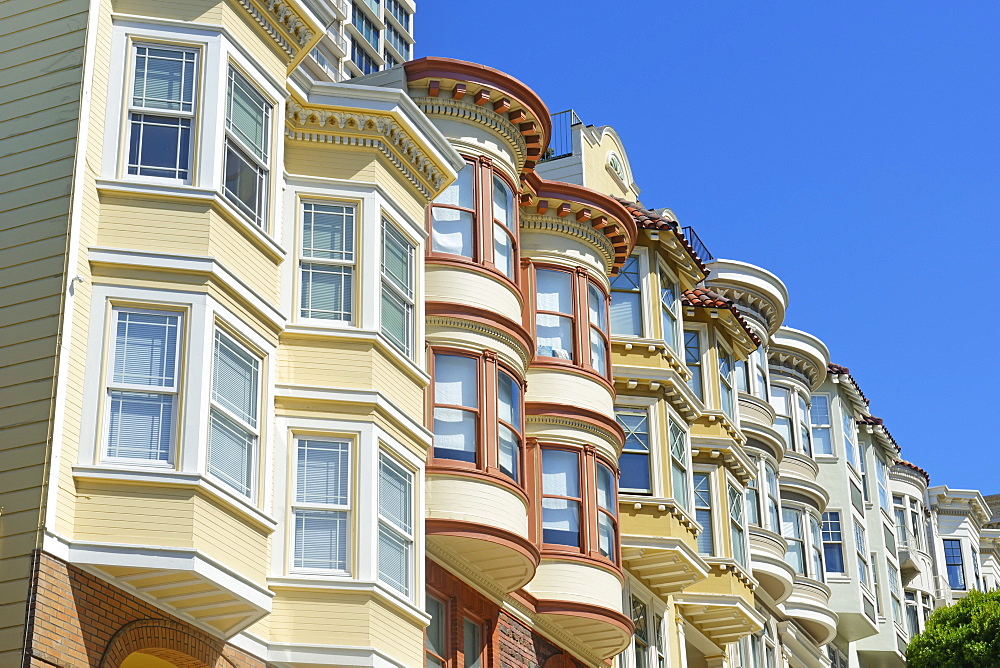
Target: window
x=161, y=111
x=460, y=418
x=509, y=425
x=805, y=442
x=394, y=38
x=476, y=218
x=640, y=614
x=833, y=542
x=561, y=497
x=895, y=595
x=726, y=382
x=659, y=642
x=435, y=636
x=456, y=407
x=143, y=386
x=759, y=360
x=882, y=478
x=679, y=465
x=607, y=513
x=781, y=402
x=558, y=318
x=397, y=288
x=395, y=7
x=975, y=569
x=364, y=60
x=703, y=513
x=626, y=300
x=753, y=496
x=472, y=644
x=773, y=503
x=912, y=617
x=737, y=532
x=916, y=524
x=669, y=308
x=791, y=529
x=820, y=415
x=248, y=129
x=692, y=359
x=327, y=263
x=876, y=585
x=859, y=543
x=395, y=524
x=899, y=512
x=850, y=440
x=740, y=372
x=634, y=460
x=365, y=26
x=389, y=60
x=233, y=433
x=863, y=465
x=816, y=570
x=320, y=510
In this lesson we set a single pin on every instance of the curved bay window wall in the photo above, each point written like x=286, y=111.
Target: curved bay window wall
x=478, y=413
x=801, y=530
x=751, y=375
x=763, y=500
x=475, y=220
x=792, y=419
x=579, y=503
x=571, y=319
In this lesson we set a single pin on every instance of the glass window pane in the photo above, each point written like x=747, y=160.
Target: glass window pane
x=435, y=633
x=554, y=291
x=561, y=522
x=327, y=291
x=503, y=251
x=245, y=183
x=322, y=472
x=509, y=452
x=451, y=232
x=634, y=472
x=395, y=493
x=234, y=378
x=598, y=315
x=159, y=146
x=555, y=336
x=598, y=353
x=626, y=314
x=472, y=644
x=456, y=380
x=247, y=114
x=140, y=426
x=503, y=203
x=146, y=349
x=393, y=559
x=508, y=399
x=230, y=453
x=397, y=259
x=328, y=231
x=164, y=78
x=560, y=473
x=460, y=192
x=606, y=498
x=606, y=536
x=320, y=539
x=397, y=320
x=455, y=434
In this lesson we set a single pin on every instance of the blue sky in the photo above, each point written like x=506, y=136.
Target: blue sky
x=851, y=148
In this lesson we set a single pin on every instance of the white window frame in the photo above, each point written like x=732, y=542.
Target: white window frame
x=259, y=219
x=174, y=391
x=674, y=311
x=345, y=508
x=406, y=536
x=350, y=264
x=389, y=285
x=819, y=426
x=647, y=414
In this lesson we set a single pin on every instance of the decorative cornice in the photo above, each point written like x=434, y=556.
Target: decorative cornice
x=482, y=328
x=468, y=111
x=571, y=228
x=382, y=133
x=271, y=12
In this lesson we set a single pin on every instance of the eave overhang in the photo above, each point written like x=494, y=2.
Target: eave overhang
x=288, y=25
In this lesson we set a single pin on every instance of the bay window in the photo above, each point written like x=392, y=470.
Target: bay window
x=860, y=545
x=954, y=563
x=161, y=111
x=669, y=308
x=791, y=529
x=850, y=441
x=634, y=461
x=703, y=513
x=781, y=402
x=833, y=542
x=763, y=507
x=321, y=504
x=475, y=218
x=737, y=530
x=820, y=420
x=792, y=418
x=397, y=299
x=233, y=432
x=571, y=315
x=395, y=524
x=142, y=390
x=327, y=261
x=579, y=503
x=626, y=300
x=692, y=360
x=899, y=513
x=247, y=140
x=726, y=383
x=474, y=430
x=680, y=463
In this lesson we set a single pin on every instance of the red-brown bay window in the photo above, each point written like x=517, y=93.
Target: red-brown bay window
x=579, y=502
x=478, y=413
x=475, y=220
x=571, y=319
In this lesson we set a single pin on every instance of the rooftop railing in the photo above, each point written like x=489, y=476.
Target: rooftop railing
x=561, y=142
x=700, y=249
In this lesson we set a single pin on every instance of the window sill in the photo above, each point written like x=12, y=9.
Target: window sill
x=160, y=190
x=172, y=478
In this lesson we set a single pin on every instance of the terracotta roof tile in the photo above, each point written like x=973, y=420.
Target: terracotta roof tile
x=705, y=298
x=652, y=221
x=838, y=370
x=910, y=465
x=878, y=422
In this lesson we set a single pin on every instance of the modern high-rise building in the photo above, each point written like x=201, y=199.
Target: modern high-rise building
x=312, y=354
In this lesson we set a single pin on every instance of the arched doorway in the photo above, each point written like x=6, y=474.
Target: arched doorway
x=163, y=643
x=144, y=660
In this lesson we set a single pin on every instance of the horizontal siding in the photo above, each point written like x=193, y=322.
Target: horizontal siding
x=42, y=46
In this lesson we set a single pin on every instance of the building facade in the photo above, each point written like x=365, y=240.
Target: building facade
x=319, y=355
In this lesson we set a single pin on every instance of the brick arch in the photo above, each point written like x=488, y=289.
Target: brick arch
x=171, y=641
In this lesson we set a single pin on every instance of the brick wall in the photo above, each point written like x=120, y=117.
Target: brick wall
x=80, y=621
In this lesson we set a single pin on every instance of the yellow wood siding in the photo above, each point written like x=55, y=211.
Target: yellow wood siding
x=39, y=115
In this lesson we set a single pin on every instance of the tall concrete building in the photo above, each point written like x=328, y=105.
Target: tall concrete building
x=317, y=355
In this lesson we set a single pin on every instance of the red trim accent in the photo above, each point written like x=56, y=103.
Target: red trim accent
x=486, y=317
x=578, y=412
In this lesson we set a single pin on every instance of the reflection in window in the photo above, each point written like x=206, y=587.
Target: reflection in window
x=554, y=321
x=703, y=513
x=634, y=460
x=692, y=359
x=561, y=498
x=456, y=407
x=626, y=300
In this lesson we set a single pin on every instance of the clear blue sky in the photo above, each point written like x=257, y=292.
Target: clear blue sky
x=851, y=148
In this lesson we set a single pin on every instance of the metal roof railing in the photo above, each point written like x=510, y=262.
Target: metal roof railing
x=561, y=142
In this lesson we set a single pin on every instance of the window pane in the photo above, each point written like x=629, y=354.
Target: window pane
x=503, y=203
x=820, y=410
x=692, y=358
x=598, y=352
x=393, y=559
x=460, y=192
x=328, y=231
x=509, y=452
x=560, y=473
x=508, y=399
x=435, y=634
x=397, y=259
x=679, y=481
x=555, y=336
x=146, y=349
x=234, y=379
x=503, y=251
x=635, y=472
x=555, y=291
x=598, y=316
x=320, y=539
x=606, y=489
x=164, y=78
x=606, y=536
x=397, y=318
x=822, y=442
x=455, y=434
x=472, y=645
x=395, y=493
x=327, y=291
x=626, y=315
x=230, y=453
x=561, y=522
x=140, y=426
x=245, y=183
x=451, y=232
x=159, y=146
x=247, y=114
x=456, y=380
x=322, y=472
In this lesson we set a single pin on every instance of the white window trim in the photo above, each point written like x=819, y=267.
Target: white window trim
x=654, y=607
x=713, y=483
x=704, y=358
x=677, y=310
x=298, y=215
x=348, y=507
